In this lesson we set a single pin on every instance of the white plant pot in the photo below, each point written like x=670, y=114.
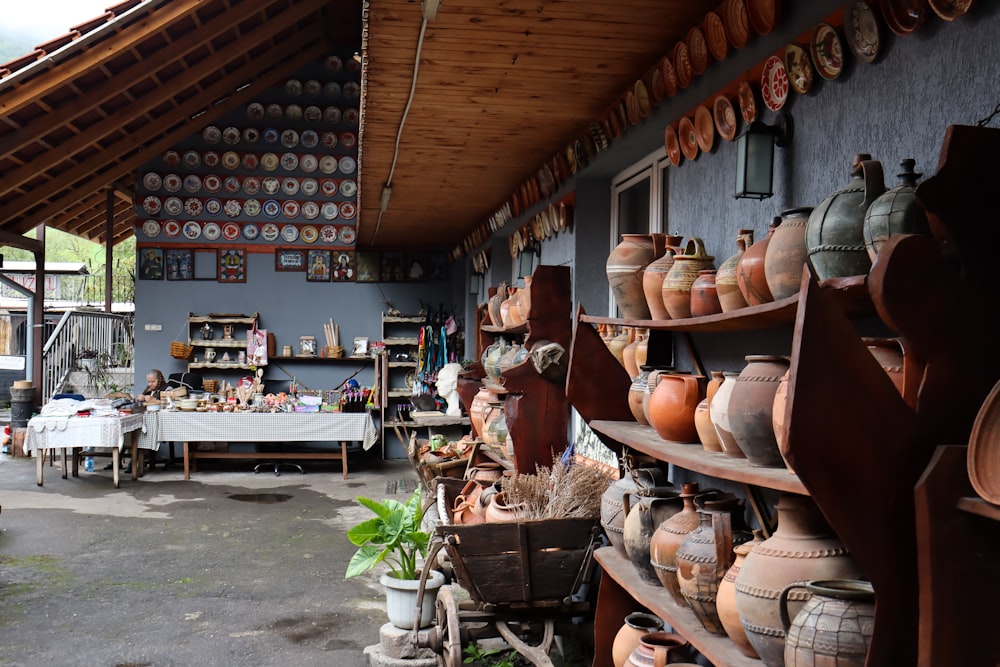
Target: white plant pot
x=89, y=365
x=401, y=599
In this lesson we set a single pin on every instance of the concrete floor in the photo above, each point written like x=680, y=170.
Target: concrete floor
x=163, y=572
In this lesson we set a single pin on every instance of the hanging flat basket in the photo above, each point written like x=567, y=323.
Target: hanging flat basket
x=179, y=350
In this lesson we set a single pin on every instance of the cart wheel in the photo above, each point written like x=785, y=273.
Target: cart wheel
x=448, y=629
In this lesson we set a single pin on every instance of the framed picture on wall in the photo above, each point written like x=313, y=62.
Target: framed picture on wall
x=437, y=266
x=206, y=264
x=392, y=269
x=290, y=259
x=232, y=265
x=319, y=266
x=343, y=268
x=416, y=267
x=367, y=266
x=180, y=264
x=151, y=264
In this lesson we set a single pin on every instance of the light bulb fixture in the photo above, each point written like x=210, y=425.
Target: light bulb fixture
x=755, y=156
x=429, y=9
x=526, y=259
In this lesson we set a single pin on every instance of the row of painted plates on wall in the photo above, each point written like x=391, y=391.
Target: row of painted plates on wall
x=272, y=208
x=270, y=232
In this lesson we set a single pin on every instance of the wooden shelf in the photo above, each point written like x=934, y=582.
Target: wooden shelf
x=398, y=393
x=199, y=319
x=402, y=364
x=979, y=507
x=720, y=650
x=694, y=457
x=508, y=331
x=317, y=358
x=222, y=342
x=436, y=420
x=221, y=366
x=400, y=340
x=404, y=319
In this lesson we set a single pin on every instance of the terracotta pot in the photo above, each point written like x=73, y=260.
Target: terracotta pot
x=750, y=271
x=486, y=472
x=658, y=649
x=835, y=237
x=637, y=624
x=494, y=434
x=895, y=211
x=834, y=627
x=751, y=406
x=617, y=345
x=651, y=383
x=668, y=538
x=705, y=555
x=625, y=267
x=786, y=255
x=677, y=285
x=725, y=601
x=491, y=360
x=653, y=275
x=896, y=359
x=635, y=393
x=672, y=406
x=707, y=434
x=704, y=298
x=493, y=305
x=477, y=406
x=802, y=548
x=510, y=310
x=644, y=511
x=524, y=298
x=628, y=354
x=642, y=348
x=726, y=284
x=499, y=511
x=779, y=417
x=613, y=505
x=718, y=410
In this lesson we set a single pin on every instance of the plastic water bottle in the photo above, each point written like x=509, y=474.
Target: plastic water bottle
x=88, y=464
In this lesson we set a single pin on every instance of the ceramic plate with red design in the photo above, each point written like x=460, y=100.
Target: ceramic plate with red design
x=827, y=51
x=211, y=231
x=309, y=234
x=862, y=31
x=687, y=138
x=347, y=234
x=290, y=209
x=903, y=16
x=715, y=36
x=799, y=69
x=172, y=229
x=774, y=83
x=231, y=231
x=724, y=116
x=328, y=233
x=748, y=102
x=348, y=210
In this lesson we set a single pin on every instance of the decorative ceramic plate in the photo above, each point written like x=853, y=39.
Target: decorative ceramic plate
x=152, y=181
x=173, y=206
x=715, y=36
x=328, y=164
x=332, y=115
x=192, y=230
x=271, y=185
x=310, y=139
x=309, y=234
x=704, y=129
x=313, y=114
x=309, y=187
x=289, y=138
x=347, y=234
x=903, y=16
x=331, y=89
x=269, y=161
x=310, y=211
x=193, y=207
x=724, y=116
x=251, y=185
x=697, y=50
x=289, y=233
x=734, y=17
x=270, y=231
x=293, y=87
x=213, y=206
x=329, y=210
x=351, y=116
x=748, y=102
x=949, y=10
x=774, y=83
x=348, y=187
x=826, y=51
x=251, y=135
x=348, y=165
x=352, y=90
x=210, y=159
x=151, y=228
x=192, y=160
x=334, y=64
x=329, y=139
x=631, y=109
x=861, y=30
x=231, y=231
x=250, y=161
x=271, y=135
x=308, y=163
x=232, y=207
x=682, y=65
x=290, y=185
x=289, y=161
x=328, y=187
x=347, y=211
x=642, y=102
x=328, y=233
x=231, y=160
x=231, y=135
x=231, y=184
x=255, y=111
x=290, y=208
x=656, y=92
x=348, y=139
x=172, y=183
x=312, y=87
x=687, y=138
x=763, y=15
x=172, y=229
x=271, y=209
x=274, y=112
x=192, y=183
x=171, y=158
x=669, y=76
x=211, y=134
x=252, y=207
x=250, y=231
x=983, y=454
x=293, y=112
x=211, y=231
x=799, y=69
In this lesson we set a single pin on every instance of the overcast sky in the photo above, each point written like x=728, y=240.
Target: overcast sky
x=48, y=18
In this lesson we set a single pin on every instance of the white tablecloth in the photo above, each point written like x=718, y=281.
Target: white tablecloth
x=60, y=432
x=267, y=427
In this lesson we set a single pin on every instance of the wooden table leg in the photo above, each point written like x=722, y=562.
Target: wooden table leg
x=187, y=461
x=134, y=450
x=40, y=455
x=75, y=462
x=343, y=456
x=115, y=458
x=64, y=469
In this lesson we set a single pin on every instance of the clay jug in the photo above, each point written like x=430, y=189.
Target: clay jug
x=491, y=359
x=644, y=511
x=618, y=343
x=705, y=555
x=835, y=237
x=642, y=348
x=707, y=435
x=668, y=538
x=651, y=383
x=476, y=408
x=726, y=285
x=625, y=267
x=725, y=601
x=493, y=305
x=672, y=406
x=628, y=354
x=896, y=359
x=751, y=406
x=704, y=295
x=750, y=270
x=719, y=412
x=524, y=298
x=779, y=417
x=677, y=285
x=493, y=412
x=658, y=649
x=608, y=333
x=613, y=505
x=786, y=256
x=653, y=275
x=895, y=211
x=635, y=393
x=802, y=548
x=637, y=624
x=834, y=627
x=486, y=472
x=510, y=309
x=500, y=511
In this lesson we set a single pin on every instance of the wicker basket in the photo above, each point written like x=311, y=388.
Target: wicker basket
x=211, y=386
x=179, y=350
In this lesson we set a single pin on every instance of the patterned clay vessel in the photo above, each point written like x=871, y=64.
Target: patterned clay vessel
x=613, y=504
x=637, y=624
x=835, y=626
x=677, y=285
x=625, y=267
x=750, y=270
x=653, y=275
x=643, y=513
x=751, y=406
x=704, y=295
x=786, y=255
x=725, y=601
x=896, y=211
x=719, y=412
x=658, y=649
x=726, y=284
x=668, y=538
x=672, y=406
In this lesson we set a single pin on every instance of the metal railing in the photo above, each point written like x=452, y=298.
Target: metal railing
x=107, y=335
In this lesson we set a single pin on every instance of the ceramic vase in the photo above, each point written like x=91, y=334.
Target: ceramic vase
x=751, y=406
x=802, y=548
x=651, y=383
x=653, y=275
x=704, y=296
x=834, y=627
x=725, y=601
x=785, y=257
x=658, y=649
x=707, y=435
x=637, y=624
x=668, y=538
x=726, y=284
x=644, y=511
x=493, y=305
x=625, y=267
x=642, y=347
x=477, y=406
x=779, y=417
x=618, y=343
x=835, y=237
x=895, y=211
x=628, y=354
x=677, y=285
x=510, y=310
x=613, y=504
x=750, y=270
x=672, y=406
x=635, y=393
x=719, y=412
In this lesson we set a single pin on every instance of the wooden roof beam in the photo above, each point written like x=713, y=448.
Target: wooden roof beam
x=17, y=241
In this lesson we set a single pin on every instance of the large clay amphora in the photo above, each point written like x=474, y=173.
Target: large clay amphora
x=726, y=285
x=834, y=627
x=786, y=256
x=653, y=275
x=677, y=285
x=637, y=624
x=896, y=211
x=658, y=649
x=672, y=406
x=751, y=407
x=802, y=548
x=750, y=275
x=835, y=237
x=719, y=412
x=644, y=511
x=613, y=505
x=625, y=267
x=668, y=538
x=725, y=601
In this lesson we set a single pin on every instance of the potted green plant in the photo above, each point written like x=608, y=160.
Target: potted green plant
x=394, y=536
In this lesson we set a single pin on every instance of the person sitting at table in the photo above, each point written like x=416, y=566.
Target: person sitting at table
x=155, y=383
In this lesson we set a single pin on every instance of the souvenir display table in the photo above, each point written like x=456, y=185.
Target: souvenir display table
x=76, y=432
x=285, y=427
